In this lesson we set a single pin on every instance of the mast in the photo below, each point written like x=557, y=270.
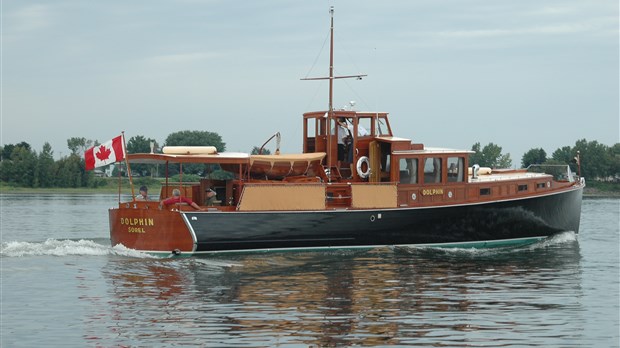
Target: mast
x=331, y=63
x=330, y=161
x=331, y=78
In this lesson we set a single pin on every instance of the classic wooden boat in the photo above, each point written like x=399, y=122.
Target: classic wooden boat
x=393, y=193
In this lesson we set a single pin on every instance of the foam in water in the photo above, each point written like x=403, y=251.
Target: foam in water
x=558, y=239
x=216, y=263
x=55, y=247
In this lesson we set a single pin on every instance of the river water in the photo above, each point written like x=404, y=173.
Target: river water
x=62, y=285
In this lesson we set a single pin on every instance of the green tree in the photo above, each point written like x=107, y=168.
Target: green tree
x=79, y=145
x=7, y=150
x=563, y=155
x=476, y=157
x=140, y=144
x=533, y=156
x=595, y=158
x=24, y=165
x=20, y=165
x=196, y=138
x=490, y=156
x=6, y=165
x=614, y=156
x=256, y=150
x=46, y=167
x=70, y=171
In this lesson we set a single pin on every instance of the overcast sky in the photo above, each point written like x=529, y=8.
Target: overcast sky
x=522, y=74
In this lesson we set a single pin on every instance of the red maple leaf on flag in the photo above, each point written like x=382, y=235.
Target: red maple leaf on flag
x=104, y=153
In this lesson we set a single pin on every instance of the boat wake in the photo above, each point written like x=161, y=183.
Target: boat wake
x=66, y=247
x=555, y=240
x=550, y=242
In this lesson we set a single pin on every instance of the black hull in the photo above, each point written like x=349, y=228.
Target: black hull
x=496, y=221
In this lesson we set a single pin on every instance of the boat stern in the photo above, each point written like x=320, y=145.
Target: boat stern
x=143, y=226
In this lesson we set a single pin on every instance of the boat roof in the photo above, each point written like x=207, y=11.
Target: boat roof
x=346, y=113
x=307, y=157
x=509, y=176
x=221, y=158
x=160, y=158
x=432, y=150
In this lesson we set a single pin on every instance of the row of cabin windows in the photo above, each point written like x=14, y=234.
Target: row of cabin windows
x=316, y=127
x=521, y=188
x=433, y=170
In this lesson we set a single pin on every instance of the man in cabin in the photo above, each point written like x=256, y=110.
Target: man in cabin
x=143, y=195
x=343, y=134
x=361, y=131
x=177, y=198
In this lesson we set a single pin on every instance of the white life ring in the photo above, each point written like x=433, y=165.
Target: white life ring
x=360, y=163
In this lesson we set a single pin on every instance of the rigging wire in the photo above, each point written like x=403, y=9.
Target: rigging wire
x=320, y=87
x=358, y=96
x=318, y=55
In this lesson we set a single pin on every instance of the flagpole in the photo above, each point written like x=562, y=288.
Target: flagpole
x=120, y=181
x=133, y=194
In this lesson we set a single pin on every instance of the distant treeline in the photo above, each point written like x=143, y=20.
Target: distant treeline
x=22, y=166
x=598, y=161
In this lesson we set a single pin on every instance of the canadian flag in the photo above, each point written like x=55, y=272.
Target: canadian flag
x=104, y=154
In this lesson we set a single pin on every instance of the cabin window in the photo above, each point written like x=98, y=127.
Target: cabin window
x=540, y=185
x=320, y=126
x=408, y=171
x=334, y=127
x=455, y=169
x=522, y=188
x=364, y=123
x=381, y=126
x=485, y=191
x=432, y=170
x=311, y=126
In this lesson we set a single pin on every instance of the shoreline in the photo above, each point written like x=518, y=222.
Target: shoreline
x=590, y=192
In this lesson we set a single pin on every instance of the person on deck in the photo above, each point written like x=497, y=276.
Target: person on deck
x=144, y=194
x=211, y=196
x=177, y=198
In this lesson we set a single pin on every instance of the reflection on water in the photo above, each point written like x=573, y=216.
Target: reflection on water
x=61, y=280
x=379, y=297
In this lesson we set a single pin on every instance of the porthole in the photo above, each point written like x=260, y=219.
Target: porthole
x=414, y=196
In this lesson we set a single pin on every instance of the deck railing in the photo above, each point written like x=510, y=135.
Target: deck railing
x=560, y=172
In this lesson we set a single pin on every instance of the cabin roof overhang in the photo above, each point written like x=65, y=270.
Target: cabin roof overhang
x=344, y=113
x=396, y=143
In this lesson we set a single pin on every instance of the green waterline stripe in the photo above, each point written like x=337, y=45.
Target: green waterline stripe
x=460, y=245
